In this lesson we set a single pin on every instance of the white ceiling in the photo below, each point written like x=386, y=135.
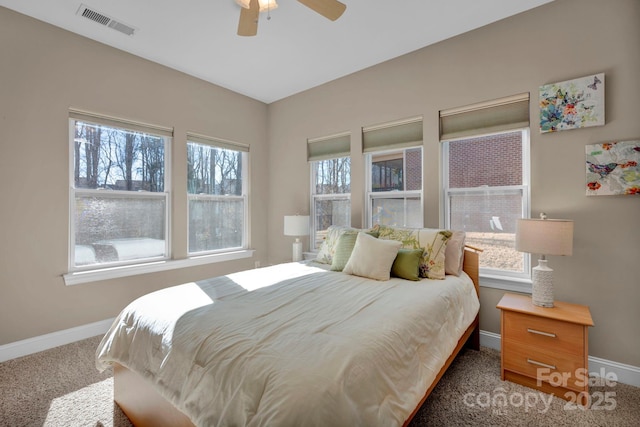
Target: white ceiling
x=295, y=50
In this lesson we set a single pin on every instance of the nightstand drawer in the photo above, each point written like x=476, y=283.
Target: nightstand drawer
x=530, y=360
x=544, y=333
x=549, y=344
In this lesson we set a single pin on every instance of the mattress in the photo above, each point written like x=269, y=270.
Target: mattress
x=293, y=344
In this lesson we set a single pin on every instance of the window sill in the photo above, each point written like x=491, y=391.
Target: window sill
x=80, y=277
x=511, y=284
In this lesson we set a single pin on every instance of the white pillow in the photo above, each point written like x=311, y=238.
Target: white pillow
x=372, y=257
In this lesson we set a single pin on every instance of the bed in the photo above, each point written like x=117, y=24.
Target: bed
x=317, y=347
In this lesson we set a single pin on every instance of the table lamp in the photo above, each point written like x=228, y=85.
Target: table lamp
x=544, y=237
x=296, y=225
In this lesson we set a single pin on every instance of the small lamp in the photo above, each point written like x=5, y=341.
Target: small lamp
x=296, y=225
x=545, y=237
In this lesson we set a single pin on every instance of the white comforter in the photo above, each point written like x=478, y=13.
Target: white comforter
x=293, y=345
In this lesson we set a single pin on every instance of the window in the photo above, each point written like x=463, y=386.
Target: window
x=395, y=189
x=216, y=187
x=394, y=173
x=485, y=179
x=331, y=198
x=119, y=192
x=330, y=184
x=387, y=173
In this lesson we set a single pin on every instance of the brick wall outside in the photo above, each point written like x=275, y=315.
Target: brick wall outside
x=414, y=169
x=494, y=160
x=477, y=212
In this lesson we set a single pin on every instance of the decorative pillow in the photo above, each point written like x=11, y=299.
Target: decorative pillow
x=372, y=257
x=433, y=241
x=454, y=253
x=344, y=247
x=407, y=264
x=328, y=247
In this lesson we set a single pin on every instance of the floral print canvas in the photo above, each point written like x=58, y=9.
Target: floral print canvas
x=572, y=104
x=612, y=168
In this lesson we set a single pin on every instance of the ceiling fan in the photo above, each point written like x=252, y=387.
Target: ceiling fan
x=248, y=24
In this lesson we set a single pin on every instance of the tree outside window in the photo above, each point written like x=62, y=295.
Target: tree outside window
x=119, y=203
x=217, y=199
x=331, y=196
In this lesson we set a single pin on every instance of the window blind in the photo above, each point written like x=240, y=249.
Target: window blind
x=86, y=116
x=498, y=115
x=329, y=147
x=401, y=134
x=217, y=142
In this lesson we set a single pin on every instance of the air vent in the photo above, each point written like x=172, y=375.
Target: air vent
x=102, y=19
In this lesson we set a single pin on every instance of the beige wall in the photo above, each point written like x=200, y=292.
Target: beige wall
x=45, y=70
x=559, y=41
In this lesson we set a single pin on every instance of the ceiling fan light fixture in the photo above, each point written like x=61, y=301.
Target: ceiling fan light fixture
x=250, y=12
x=265, y=5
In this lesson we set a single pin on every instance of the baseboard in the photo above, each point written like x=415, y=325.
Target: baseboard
x=490, y=339
x=54, y=339
x=626, y=374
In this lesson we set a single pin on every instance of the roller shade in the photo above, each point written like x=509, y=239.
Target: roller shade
x=216, y=142
x=402, y=134
x=329, y=147
x=487, y=117
x=89, y=117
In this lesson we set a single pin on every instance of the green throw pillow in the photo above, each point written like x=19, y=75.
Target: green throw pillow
x=344, y=247
x=407, y=264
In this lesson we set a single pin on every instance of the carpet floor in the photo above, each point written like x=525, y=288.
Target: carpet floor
x=61, y=387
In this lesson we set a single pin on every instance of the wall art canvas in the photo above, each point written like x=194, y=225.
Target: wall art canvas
x=572, y=104
x=612, y=168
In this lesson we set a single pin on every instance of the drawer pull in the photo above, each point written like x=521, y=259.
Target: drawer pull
x=546, y=334
x=544, y=365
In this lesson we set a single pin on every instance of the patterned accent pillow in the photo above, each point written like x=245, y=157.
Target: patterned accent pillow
x=328, y=248
x=433, y=241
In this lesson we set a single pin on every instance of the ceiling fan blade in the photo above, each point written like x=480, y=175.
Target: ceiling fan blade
x=330, y=9
x=248, y=24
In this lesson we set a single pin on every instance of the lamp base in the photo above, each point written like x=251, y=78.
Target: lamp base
x=542, y=286
x=297, y=250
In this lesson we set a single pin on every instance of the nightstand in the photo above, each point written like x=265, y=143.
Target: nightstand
x=545, y=348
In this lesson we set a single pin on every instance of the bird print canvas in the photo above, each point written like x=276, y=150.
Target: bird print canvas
x=613, y=168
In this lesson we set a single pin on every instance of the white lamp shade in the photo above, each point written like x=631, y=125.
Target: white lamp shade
x=545, y=236
x=296, y=225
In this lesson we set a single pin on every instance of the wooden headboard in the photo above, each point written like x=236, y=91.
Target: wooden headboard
x=471, y=265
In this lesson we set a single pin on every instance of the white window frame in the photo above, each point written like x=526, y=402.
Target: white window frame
x=371, y=195
x=494, y=278
x=102, y=272
x=84, y=192
x=223, y=144
x=245, y=216
x=316, y=196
